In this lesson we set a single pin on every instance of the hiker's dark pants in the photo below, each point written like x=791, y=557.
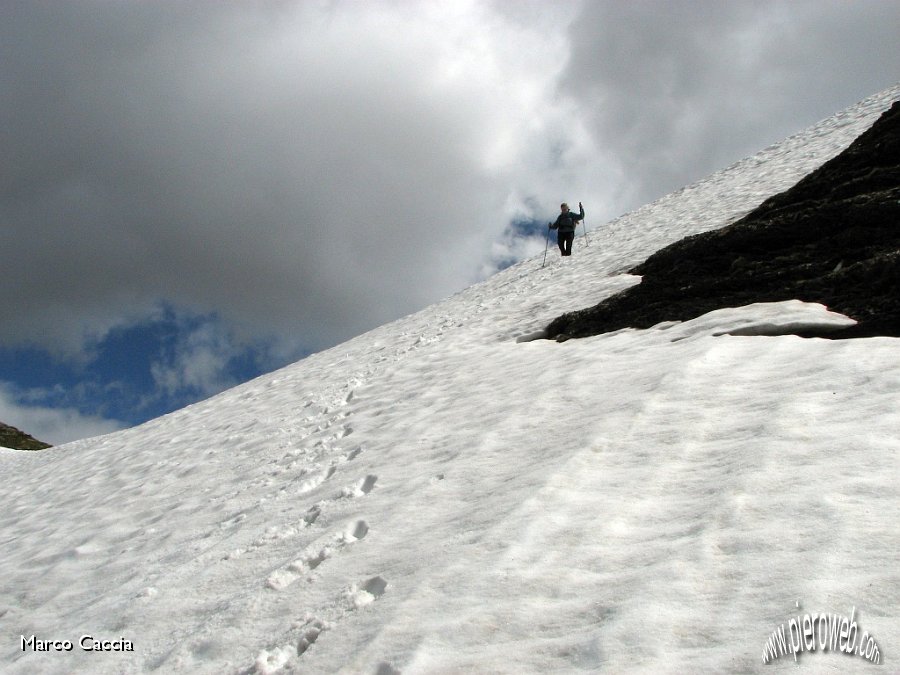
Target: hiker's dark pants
x=565, y=239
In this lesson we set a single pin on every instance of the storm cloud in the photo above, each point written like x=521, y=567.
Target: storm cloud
x=304, y=171
x=675, y=90
x=295, y=167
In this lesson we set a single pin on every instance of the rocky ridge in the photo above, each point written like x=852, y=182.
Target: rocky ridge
x=14, y=439
x=833, y=238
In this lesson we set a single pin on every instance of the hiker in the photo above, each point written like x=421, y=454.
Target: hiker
x=565, y=227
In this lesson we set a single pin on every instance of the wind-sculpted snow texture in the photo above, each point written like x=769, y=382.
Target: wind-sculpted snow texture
x=834, y=238
x=445, y=495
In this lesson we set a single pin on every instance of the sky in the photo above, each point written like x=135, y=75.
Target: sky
x=194, y=193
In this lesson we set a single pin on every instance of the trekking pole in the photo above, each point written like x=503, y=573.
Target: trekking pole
x=546, y=246
x=584, y=225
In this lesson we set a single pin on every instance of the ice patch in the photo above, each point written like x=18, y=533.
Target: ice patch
x=760, y=319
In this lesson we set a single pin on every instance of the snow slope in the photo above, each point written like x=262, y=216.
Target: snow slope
x=437, y=497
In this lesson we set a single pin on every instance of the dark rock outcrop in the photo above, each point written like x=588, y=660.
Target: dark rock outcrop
x=833, y=238
x=12, y=438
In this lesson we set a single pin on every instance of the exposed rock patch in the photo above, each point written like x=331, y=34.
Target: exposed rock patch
x=833, y=238
x=12, y=438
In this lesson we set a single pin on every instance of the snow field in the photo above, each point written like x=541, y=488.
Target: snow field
x=435, y=497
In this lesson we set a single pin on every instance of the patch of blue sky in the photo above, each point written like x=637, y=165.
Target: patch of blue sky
x=117, y=381
x=529, y=227
x=510, y=251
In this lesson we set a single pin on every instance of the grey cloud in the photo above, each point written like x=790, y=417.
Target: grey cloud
x=310, y=170
x=675, y=90
x=301, y=170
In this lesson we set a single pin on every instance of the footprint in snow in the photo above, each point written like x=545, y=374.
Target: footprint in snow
x=277, y=533
x=357, y=531
x=310, y=630
x=312, y=514
x=310, y=633
x=361, y=489
x=310, y=484
x=369, y=592
x=306, y=634
x=284, y=577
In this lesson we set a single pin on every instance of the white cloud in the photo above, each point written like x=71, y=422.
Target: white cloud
x=51, y=425
x=198, y=364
